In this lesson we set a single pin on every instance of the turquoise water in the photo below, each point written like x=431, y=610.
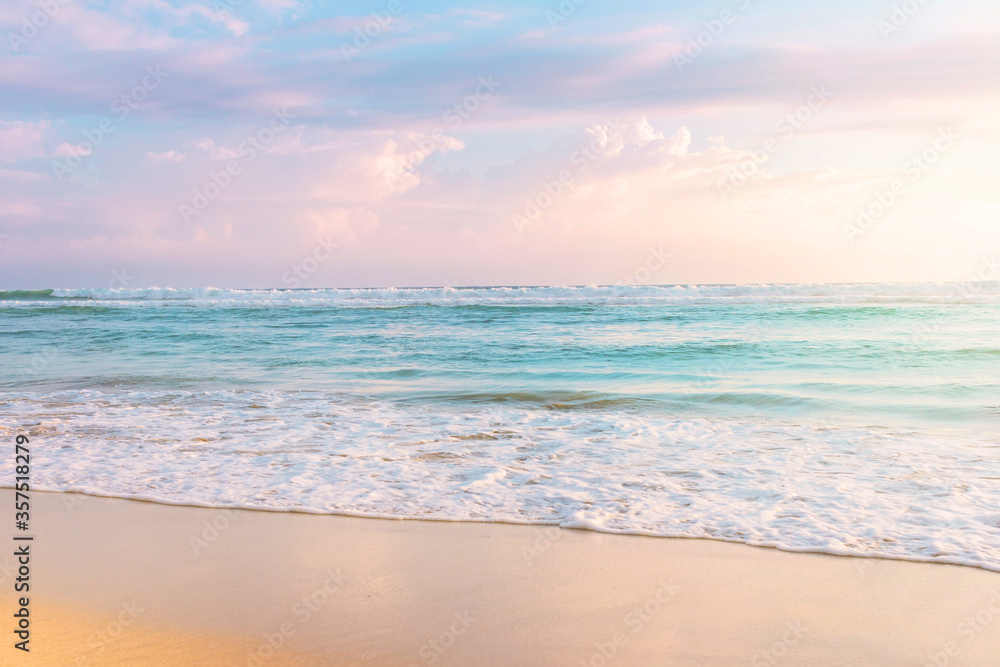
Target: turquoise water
x=848, y=419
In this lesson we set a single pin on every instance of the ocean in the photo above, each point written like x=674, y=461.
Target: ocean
x=844, y=419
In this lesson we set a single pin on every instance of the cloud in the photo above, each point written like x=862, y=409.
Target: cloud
x=20, y=139
x=476, y=17
x=166, y=156
x=279, y=6
x=66, y=149
x=395, y=169
x=216, y=152
x=569, y=77
x=19, y=209
x=185, y=13
x=363, y=159
x=345, y=225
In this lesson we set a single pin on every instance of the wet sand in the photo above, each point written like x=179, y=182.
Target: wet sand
x=118, y=582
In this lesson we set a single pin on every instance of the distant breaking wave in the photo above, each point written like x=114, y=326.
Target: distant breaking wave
x=36, y=295
x=876, y=293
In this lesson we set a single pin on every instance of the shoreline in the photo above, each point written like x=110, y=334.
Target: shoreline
x=537, y=524
x=231, y=585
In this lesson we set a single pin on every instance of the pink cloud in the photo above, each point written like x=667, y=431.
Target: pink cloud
x=166, y=156
x=19, y=139
x=66, y=149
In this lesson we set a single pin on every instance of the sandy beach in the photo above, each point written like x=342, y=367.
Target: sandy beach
x=119, y=582
x=525, y=333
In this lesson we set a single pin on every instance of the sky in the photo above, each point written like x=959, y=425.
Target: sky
x=309, y=144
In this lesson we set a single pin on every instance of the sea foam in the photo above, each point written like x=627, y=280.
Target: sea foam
x=822, y=487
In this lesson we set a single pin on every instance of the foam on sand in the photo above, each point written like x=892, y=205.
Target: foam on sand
x=823, y=488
